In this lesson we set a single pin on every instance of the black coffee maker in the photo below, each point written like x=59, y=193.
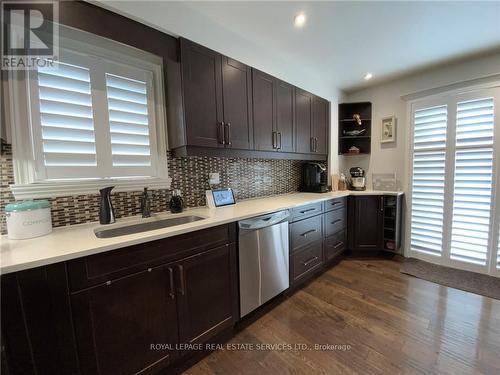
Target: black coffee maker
x=314, y=178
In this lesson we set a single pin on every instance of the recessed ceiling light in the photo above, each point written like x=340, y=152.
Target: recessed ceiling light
x=299, y=20
x=368, y=76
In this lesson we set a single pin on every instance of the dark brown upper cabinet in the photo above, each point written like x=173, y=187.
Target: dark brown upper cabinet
x=273, y=113
x=264, y=111
x=285, y=116
x=217, y=99
x=202, y=86
x=237, y=101
x=303, y=118
x=221, y=107
x=312, y=123
x=321, y=119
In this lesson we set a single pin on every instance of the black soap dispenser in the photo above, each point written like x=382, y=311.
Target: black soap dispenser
x=176, y=203
x=106, y=210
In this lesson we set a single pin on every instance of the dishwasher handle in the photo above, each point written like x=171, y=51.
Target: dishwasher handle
x=264, y=221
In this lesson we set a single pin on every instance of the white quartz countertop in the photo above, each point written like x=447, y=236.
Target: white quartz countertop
x=76, y=241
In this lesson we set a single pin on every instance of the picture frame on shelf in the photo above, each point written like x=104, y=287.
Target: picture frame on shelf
x=388, y=129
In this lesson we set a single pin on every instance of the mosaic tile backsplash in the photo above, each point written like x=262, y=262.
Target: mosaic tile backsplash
x=249, y=178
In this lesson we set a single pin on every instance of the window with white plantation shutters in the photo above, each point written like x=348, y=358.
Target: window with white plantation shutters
x=428, y=178
x=473, y=181
x=93, y=119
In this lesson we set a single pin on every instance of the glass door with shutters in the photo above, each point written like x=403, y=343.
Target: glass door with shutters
x=454, y=150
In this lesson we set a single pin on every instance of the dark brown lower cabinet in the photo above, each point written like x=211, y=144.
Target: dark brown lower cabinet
x=207, y=294
x=117, y=324
x=68, y=318
x=365, y=229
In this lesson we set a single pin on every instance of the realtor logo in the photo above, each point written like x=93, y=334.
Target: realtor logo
x=30, y=34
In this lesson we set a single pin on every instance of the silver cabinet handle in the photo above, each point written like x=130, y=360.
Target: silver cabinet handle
x=307, y=262
x=382, y=203
x=308, y=232
x=308, y=210
x=182, y=279
x=315, y=144
x=312, y=144
x=279, y=140
x=335, y=221
x=227, y=133
x=275, y=141
x=220, y=133
x=171, y=281
x=338, y=245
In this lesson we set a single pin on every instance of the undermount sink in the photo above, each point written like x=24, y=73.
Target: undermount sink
x=144, y=227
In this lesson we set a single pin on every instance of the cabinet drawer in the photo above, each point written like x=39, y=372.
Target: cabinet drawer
x=96, y=269
x=308, y=210
x=307, y=260
x=334, y=204
x=305, y=231
x=334, y=245
x=334, y=221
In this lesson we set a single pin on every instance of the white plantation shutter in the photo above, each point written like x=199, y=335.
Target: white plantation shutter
x=66, y=131
x=455, y=156
x=129, y=121
x=428, y=178
x=473, y=181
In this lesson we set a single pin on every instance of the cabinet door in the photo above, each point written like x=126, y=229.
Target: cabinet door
x=202, y=83
x=116, y=324
x=365, y=223
x=264, y=111
x=303, y=118
x=320, y=125
x=285, y=116
x=237, y=94
x=207, y=298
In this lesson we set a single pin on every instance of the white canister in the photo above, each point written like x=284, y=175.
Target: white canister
x=28, y=219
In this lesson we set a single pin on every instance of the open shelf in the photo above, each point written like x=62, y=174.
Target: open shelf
x=352, y=120
x=354, y=136
x=347, y=123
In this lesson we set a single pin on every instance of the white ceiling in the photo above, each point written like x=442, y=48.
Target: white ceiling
x=340, y=42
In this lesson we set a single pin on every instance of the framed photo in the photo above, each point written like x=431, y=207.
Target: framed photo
x=388, y=129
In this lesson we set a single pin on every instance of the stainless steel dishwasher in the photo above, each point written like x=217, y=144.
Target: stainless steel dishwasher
x=263, y=259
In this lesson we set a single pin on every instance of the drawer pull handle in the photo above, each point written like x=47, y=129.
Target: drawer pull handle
x=338, y=245
x=334, y=203
x=335, y=221
x=308, y=210
x=308, y=262
x=308, y=232
x=108, y=282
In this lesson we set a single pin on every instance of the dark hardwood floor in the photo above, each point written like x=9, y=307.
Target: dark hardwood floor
x=392, y=324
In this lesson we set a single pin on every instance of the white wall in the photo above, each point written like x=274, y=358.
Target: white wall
x=386, y=100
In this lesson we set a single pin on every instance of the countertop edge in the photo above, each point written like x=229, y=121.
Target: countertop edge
x=157, y=234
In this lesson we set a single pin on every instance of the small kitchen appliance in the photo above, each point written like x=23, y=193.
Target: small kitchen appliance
x=358, y=181
x=28, y=219
x=314, y=178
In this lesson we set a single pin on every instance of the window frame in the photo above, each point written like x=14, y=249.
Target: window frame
x=28, y=175
x=451, y=98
